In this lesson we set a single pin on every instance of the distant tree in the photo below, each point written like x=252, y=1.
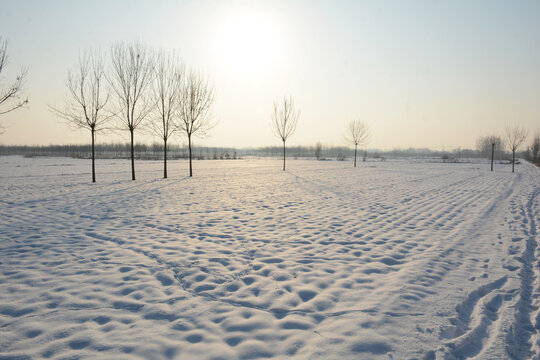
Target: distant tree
x=514, y=138
x=535, y=149
x=194, y=110
x=168, y=74
x=284, y=121
x=489, y=145
x=340, y=156
x=10, y=94
x=86, y=99
x=318, y=150
x=357, y=134
x=130, y=76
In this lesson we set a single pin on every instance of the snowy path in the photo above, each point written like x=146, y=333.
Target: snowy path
x=397, y=260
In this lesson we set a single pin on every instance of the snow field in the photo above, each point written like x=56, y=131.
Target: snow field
x=394, y=260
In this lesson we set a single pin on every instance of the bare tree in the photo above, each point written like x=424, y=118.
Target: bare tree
x=489, y=145
x=85, y=99
x=10, y=94
x=195, y=117
x=514, y=138
x=357, y=134
x=535, y=149
x=318, y=150
x=130, y=77
x=284, y=121
x=168, y=74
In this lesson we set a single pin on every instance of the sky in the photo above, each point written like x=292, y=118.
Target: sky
x=435, y=74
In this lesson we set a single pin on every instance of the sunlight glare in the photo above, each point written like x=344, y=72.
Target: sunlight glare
x=248, y=42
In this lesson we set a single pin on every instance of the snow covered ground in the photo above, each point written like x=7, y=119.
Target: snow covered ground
x=390, y=260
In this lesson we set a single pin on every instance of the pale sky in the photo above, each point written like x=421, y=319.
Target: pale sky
x=420, y=73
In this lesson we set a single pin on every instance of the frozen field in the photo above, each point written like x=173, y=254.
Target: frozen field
x=391, y=260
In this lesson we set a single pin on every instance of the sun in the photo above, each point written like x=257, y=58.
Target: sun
x=248, y=42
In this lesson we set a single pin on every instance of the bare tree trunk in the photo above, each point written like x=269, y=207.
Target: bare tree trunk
x=190, y=166
x=355, y=146
x=283, y=155
x=93, y=157
x=492, y=155
x=513, y=159
x=132, y=156
x=165, y=158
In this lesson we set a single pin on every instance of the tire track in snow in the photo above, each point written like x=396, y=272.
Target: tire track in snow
x=453, y=248
x=475, y=316
x=478, y=325
x=519, y=346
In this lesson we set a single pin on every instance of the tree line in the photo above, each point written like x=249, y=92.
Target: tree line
x=135, y=87
x=493, y=146
x=318, y=151
x=154, y=151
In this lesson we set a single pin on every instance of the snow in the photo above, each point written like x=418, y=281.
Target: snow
x=390, y=260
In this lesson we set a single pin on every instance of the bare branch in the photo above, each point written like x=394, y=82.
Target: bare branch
x=130, y=78
x=284, y=118
x=515, y=136
x=11, y=98
x=131, y=74
x=85, y=101
x=169, y=71
x=196, y=99
x=485, y=144
x=357, y=133
x=194, y=110
x=284, y=121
